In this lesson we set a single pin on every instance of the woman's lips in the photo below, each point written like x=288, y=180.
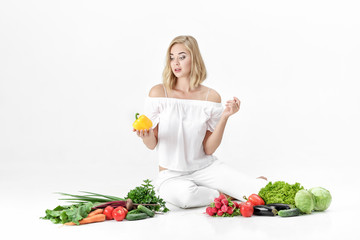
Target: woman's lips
x=177, y=70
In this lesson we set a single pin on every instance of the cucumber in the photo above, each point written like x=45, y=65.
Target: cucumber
x=146, y=210
x=136, y=216
x=289, y=212
x=135, y=211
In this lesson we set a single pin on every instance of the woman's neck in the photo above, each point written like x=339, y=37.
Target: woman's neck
x=183, y=84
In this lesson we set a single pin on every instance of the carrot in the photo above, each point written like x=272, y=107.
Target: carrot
x=96, y=218
x=97, y=211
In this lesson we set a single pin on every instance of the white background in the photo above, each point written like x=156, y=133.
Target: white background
x=74, y=73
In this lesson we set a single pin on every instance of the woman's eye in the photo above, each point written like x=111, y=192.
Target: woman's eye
x=182, y=57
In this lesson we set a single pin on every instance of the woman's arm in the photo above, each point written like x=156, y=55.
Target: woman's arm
x=212, y=140
x=150, y=136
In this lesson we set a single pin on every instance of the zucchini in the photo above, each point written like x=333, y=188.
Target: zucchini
x=289, y=212
x=263, y=210
x=146, y=210
x=136, y=216
x=279, y=206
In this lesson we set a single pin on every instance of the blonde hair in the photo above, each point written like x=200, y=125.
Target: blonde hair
x=198, y=70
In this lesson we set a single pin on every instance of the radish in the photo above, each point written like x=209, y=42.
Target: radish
x=230, y=210
x=209, y=211
x=220, y=213
x=224, y=208
x=225, y=202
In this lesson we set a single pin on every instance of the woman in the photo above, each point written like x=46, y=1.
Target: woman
x=188, y=126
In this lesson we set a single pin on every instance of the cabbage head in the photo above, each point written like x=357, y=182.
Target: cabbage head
x=304, y=201
x=322, y=198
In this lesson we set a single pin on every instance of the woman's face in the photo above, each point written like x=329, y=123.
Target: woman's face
x=180, y=60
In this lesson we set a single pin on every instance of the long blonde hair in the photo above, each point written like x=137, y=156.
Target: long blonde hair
x=198, y=70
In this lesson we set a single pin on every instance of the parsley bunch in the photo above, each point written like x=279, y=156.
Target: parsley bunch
x=146, y=194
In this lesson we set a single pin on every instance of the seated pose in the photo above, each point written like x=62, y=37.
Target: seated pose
x=188, y=126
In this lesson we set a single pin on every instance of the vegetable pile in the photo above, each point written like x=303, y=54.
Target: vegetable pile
x=275, y=199
x=140, y=203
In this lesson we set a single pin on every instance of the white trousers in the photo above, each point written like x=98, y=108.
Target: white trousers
x=199, y=188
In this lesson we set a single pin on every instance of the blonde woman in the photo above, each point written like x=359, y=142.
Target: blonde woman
x=188, y=126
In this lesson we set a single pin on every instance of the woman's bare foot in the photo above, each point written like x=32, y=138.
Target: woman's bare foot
x=262, y=177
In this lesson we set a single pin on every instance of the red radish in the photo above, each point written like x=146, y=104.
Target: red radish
x=230, y=210
x=222, y=196
x=224, y=208
x=225, y=202
x=217, y=200
x=218, y=205
x=214, y=210
x=236, y=205
x=209, y=211
x=220, y=213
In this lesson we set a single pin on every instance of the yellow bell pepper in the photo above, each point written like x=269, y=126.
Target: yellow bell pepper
x=142, y=122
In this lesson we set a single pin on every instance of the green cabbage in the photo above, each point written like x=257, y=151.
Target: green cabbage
x=322, y=198
x=304, y=201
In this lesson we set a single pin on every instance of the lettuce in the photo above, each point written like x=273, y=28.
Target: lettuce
x=280, y=192
x=70, y=213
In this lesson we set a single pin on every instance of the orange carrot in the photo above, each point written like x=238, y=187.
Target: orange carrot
x=96, y=218
x=97, y=211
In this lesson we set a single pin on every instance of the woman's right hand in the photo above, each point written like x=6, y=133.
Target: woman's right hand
x=149, y=136
x=144, y=133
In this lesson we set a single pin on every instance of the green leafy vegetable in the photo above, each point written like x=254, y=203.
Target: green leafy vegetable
x=280, y=192
x=145, y=194
x=305, y=201
x=322, y=198
x=70, y=213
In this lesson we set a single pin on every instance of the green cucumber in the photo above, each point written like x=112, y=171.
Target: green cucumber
x=146, y=210
x=289, y=212
x=136, y=216
x=135, y=211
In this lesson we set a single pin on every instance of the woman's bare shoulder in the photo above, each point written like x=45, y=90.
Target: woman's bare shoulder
x=157, y=91
x=214, y=96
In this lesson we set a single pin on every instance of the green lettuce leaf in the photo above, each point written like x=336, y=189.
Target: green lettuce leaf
x=70, y=213
x=280, y=192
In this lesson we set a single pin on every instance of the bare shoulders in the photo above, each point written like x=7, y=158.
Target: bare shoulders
x=157, y=91
x=213, y=96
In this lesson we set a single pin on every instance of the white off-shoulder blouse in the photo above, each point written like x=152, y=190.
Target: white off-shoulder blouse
x=182, y=127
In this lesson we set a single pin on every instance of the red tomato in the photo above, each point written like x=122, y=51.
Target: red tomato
x=119, y=213
x=256, y=200
x=247, y=209
x=108, y=212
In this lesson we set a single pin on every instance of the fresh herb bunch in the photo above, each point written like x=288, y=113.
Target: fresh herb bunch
x=146, y=194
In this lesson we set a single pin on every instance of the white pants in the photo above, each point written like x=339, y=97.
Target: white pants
x=199, y=188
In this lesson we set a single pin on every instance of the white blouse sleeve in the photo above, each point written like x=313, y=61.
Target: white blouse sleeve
x=215, y=115
x=152, y=110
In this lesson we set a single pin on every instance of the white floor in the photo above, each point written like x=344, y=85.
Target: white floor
x=28, y=192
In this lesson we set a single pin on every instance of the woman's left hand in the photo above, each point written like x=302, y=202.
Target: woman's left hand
x=231, y=107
